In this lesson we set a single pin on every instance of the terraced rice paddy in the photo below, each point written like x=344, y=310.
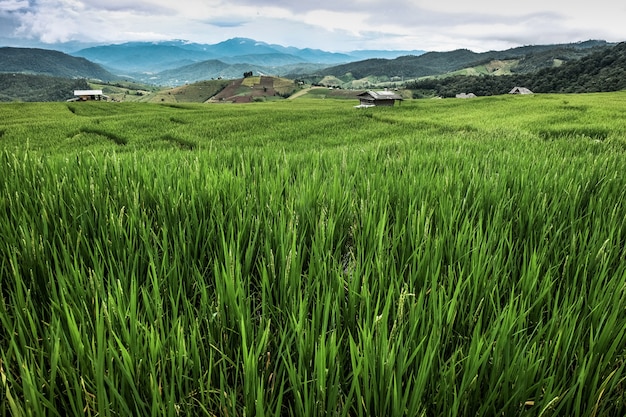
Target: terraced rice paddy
x=305, y=258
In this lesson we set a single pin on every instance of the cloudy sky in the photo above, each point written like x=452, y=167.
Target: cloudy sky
x=332, y=25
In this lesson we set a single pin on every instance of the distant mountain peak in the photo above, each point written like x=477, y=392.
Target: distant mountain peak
x=139, y=58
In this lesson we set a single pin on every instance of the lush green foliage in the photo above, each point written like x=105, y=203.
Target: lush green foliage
x=604, y=70
x=532, y=59
x=39, y=88
x=441, y=258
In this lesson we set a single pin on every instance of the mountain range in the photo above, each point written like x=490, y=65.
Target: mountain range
x=177, y=63
x=527, y=59
x=603, y=70
x=154, y=57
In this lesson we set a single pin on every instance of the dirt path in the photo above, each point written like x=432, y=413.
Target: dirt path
x=299, y=93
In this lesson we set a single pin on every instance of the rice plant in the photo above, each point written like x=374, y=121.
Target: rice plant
x=304, y=259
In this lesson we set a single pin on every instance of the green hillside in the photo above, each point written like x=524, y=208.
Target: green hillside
x=216, y=69
x=255, y=88
x=603, y=70
x=526, y=59
x=242, y=90
x=52, y=63
x=22, y=87
x=198, y=92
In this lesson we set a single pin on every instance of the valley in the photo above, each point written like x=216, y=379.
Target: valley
x=166, y=71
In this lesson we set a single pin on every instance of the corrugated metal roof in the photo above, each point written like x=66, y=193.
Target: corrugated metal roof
x=87, y=92
x=381, y=95
x=520, y=90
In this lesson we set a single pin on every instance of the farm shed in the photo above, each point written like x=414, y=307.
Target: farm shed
x=378, y=98
x=520, y=90
x=87, y=95
x=466, y=95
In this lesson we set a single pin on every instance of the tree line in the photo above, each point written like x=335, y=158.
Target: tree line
x=599, y=72
x=25, y=87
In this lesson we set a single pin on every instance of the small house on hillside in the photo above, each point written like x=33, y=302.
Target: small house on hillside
x=378, y=98
x=88, y=95
x=520, y=90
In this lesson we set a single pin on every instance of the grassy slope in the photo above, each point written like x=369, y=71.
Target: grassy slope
x=443, y=257
x=193, y=93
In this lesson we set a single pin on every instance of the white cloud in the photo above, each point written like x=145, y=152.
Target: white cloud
x=13, y=5
x=351, y=22
x=51, y=22
x=326, y=24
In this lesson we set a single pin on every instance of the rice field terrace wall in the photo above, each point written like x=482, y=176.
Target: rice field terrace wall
x=305, y=258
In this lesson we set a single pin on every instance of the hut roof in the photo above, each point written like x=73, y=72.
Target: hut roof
x=466, y=95
x=87, y=92
x=520, y=90
x=380, y=95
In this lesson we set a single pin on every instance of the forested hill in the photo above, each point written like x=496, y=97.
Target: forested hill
x=23, y=87
x=604, y=70
x=51, y=63
x=527, y=59
x=431, y=63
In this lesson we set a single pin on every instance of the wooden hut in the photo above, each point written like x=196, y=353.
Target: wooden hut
x=88, y=95
x=378, y=98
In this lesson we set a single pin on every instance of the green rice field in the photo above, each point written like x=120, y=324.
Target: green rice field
x=306, y=258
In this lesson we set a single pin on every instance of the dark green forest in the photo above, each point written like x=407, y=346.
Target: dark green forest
x=25, y=87
x=601, y=71
x=51, y=63
x=531, y=59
